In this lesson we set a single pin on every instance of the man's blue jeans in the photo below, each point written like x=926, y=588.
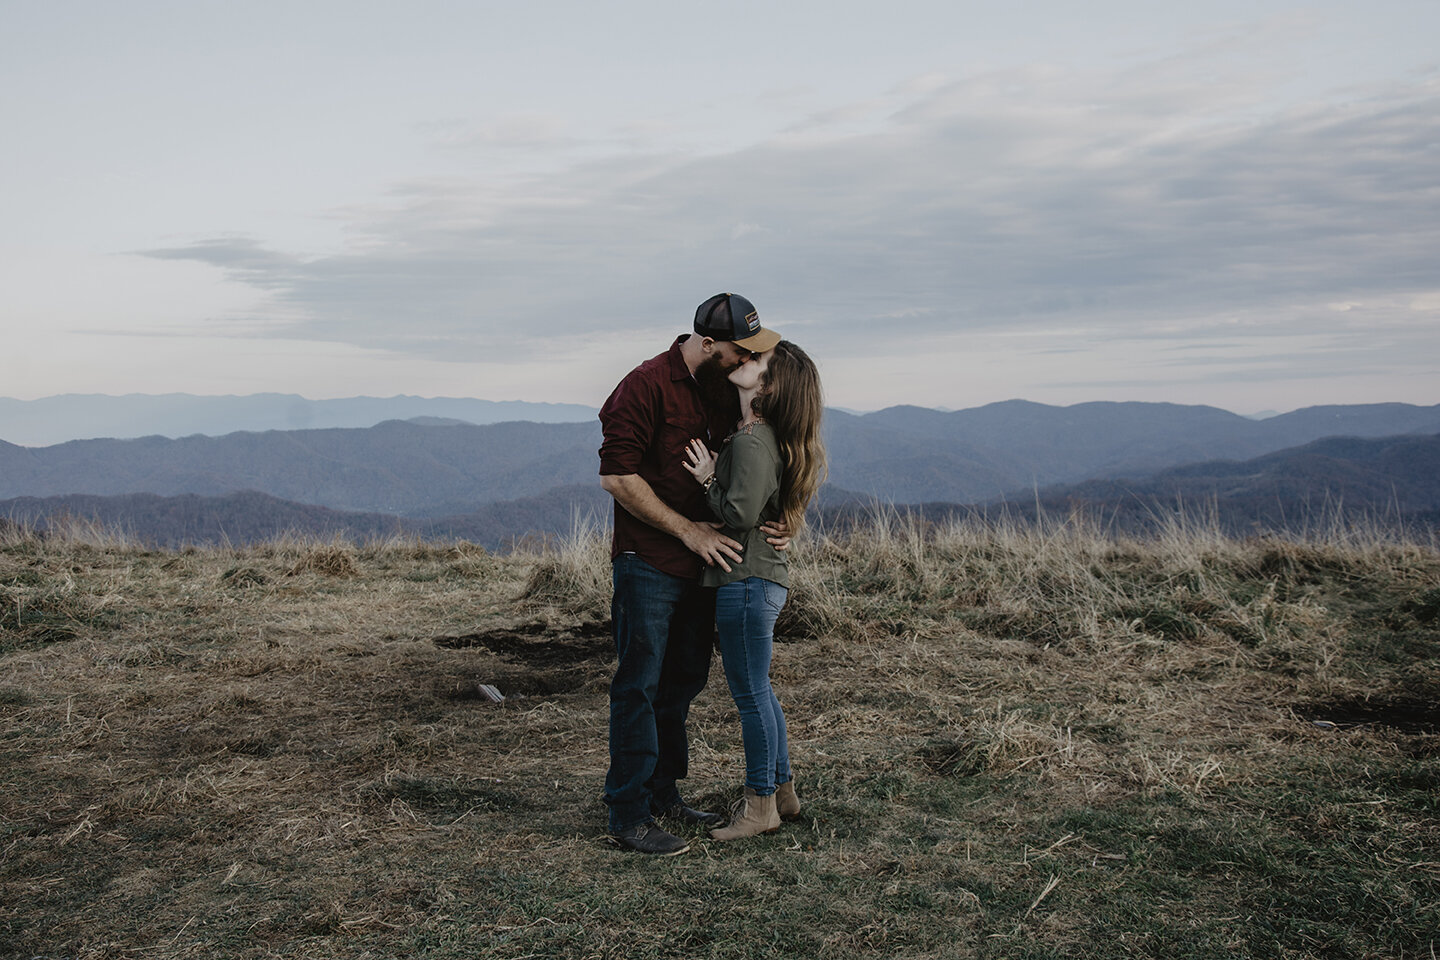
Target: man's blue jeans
x=745, y=613
x=664, y=630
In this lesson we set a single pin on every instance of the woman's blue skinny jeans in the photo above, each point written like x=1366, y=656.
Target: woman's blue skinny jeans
x=745, y=613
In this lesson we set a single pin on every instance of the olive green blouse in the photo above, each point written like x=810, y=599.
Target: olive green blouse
x=745, y=494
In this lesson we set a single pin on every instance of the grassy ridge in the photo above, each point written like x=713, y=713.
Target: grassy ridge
x=1010, y=742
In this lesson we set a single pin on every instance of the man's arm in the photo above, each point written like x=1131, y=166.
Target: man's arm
x=635, y=495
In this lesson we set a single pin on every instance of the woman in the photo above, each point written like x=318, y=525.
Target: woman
x=768, y=469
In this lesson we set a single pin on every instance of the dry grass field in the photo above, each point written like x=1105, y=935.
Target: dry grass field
x=1010, y=742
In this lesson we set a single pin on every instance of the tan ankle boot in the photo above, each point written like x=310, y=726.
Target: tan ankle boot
x=786, y=803
x=756, y=815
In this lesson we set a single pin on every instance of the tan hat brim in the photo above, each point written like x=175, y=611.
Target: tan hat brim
x=760, y=342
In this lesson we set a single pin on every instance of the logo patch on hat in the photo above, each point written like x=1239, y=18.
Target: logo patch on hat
x=753, y=320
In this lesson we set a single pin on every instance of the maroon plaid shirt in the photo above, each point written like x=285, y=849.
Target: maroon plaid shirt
x=649, y=418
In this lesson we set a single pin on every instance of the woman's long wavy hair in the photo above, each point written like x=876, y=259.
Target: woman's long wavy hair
x=791, y=402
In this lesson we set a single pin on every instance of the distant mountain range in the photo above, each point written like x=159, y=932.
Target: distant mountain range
x=902, y=454
x=490, y=482
x=915, y=455
x=394, y=467
x=52, y=420
x=1394, y=481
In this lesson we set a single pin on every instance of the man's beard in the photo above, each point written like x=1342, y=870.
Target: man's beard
x=716, y=390
x=710, y=374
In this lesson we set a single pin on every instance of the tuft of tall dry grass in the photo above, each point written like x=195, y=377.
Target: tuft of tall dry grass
x=332, y=560
x=572, y=572
x=71, y=530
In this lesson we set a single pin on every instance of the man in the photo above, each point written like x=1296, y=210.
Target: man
x=663, y=620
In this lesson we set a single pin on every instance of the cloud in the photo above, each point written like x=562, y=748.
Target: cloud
x=243, y=256
x=1152, y=201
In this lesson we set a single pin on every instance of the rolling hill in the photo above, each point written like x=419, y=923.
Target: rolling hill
x=1389, y=479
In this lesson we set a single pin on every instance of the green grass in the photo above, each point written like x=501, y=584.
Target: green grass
x=1009, y=743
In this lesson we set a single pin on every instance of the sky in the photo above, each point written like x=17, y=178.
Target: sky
x=946, y=203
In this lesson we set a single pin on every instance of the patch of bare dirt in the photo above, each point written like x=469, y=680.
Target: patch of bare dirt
x=539, y=644
x=1404, y=714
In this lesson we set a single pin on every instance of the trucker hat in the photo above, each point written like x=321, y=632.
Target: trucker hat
x=729, y=316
